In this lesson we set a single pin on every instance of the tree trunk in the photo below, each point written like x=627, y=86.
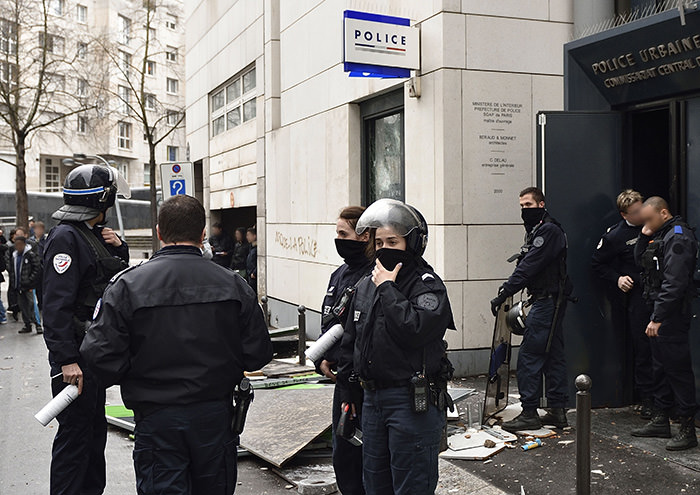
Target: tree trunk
x=21, y=202
x=155, y=243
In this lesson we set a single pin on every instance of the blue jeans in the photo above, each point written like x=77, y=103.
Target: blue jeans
x=400, y=447
x=186, y=450
x=3, y=313
x=534, y=361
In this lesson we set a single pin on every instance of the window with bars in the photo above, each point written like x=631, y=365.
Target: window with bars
x=52, y=176
x=8, y=36
x=124, y=135
x=233, y=103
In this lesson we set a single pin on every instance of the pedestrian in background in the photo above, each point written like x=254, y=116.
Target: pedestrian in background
x=25, y=271
x=39, y=239
x=252, y=259
x=178, y=354
x=3, y=267
x=221, y=245
x=240, y=253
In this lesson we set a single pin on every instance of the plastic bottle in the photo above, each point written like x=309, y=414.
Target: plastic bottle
x=533, y=445
x=325, y=342
x=57, y=404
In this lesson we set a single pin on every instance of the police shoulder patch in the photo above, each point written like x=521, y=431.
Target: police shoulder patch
x=538, y=241
x=678, y=229
x=428, y=301
x=62, y=262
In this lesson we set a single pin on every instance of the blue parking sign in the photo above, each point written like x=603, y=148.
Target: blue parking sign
x=177, y=186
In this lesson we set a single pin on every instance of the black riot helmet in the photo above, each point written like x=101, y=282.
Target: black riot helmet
x=516, y=317
x=90, y=190
x=404, y=219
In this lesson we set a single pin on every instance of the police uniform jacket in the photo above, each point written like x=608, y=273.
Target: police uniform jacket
x=614, y=255
x=393, y=328
x=70, y=266
x=176, y=330
x=669, y=258
x=344, y=277
x=541, y=261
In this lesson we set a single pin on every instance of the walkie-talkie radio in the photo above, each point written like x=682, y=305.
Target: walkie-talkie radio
x=419, y=393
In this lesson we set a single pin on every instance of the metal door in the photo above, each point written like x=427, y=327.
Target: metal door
x=580, y=170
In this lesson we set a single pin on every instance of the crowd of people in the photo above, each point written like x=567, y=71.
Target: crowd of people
x=21, y=257
x=239, y=254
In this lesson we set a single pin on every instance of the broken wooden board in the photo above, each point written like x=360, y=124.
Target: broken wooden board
x=541, y=433
x=282, y=422
x=277, y=368
x=475, y=454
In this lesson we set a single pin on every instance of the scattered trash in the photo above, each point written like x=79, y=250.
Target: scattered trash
x=489, y=444
x=533, y=445
x=566, y=442
x=597, y=471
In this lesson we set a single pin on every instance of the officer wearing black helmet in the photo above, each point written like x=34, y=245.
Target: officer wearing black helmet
x=80, y=257
x=541, y=269
x=393, y=348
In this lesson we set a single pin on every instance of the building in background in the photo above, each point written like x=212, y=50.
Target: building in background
x=285, y=138
x=105, y=41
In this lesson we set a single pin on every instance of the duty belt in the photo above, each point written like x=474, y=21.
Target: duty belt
x=379, y=385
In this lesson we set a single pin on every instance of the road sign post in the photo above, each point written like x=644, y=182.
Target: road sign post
x=177, y=178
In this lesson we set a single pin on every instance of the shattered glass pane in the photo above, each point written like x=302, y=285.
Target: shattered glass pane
x=385, y=157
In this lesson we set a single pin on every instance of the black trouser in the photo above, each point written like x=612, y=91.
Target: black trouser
x=78, y=457
x=25, y=298
x=638, y=315
x=186, y=450
x=674, y=382
x=347, y=458
x=12, y=304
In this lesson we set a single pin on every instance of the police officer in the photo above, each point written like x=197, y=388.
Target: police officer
x=613, y=262
x=347, y=458
x=541, y=269
x=667, y=250
x=393, y=347
x=80, y=257
x=177, y=332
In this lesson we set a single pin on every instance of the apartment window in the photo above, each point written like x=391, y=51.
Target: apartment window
x=124, y=140
x=146, y=174
x=149, y=101
x=8, y=73
x=124, y=63
x=383, y=147
x=81, y=87
x=52, y=176
x=54, y=44
x=82, y=50
x=124, y=29
x=82, y=124
x=172, y=117
x=234, y=103
x=123, y=169
x=150, y=68
x=170, y=21
x=8, y=36
x=171, y=54
x=172, y=86
x=124, y=94
x=81, y=13
x=56, y=7
x=172, y=153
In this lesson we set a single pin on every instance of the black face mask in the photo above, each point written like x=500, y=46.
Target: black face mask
x=531, y=217
x=389, y=258
x=353, y=252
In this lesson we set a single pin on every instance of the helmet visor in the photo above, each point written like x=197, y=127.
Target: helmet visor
x=388, y=213
x=122, y=185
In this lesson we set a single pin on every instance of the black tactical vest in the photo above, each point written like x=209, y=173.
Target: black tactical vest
x=554, y=277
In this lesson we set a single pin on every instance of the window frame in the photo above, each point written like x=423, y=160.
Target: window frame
x=81, y=49
x=168, y=155
x=238, y=102
x=151, y=64
x=124, y=29
x=124, y=141
x=54, y=173
x=61, y=4
x=82, y=124
x=168, y=24
x=78, y=9
x=81, y=87
x=168, y=80
x=149, y=97
x=11, y=40
x=171, y=54
x=371, y=111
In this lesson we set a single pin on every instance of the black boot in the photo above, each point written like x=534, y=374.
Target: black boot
x=526, y=420
x=39, y=329
x=25, y=330
x=647, y=409
x=658, y=427
x=555, y=417
x=686, y=437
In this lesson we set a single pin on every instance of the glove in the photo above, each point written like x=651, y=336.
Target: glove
x=497, y=301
